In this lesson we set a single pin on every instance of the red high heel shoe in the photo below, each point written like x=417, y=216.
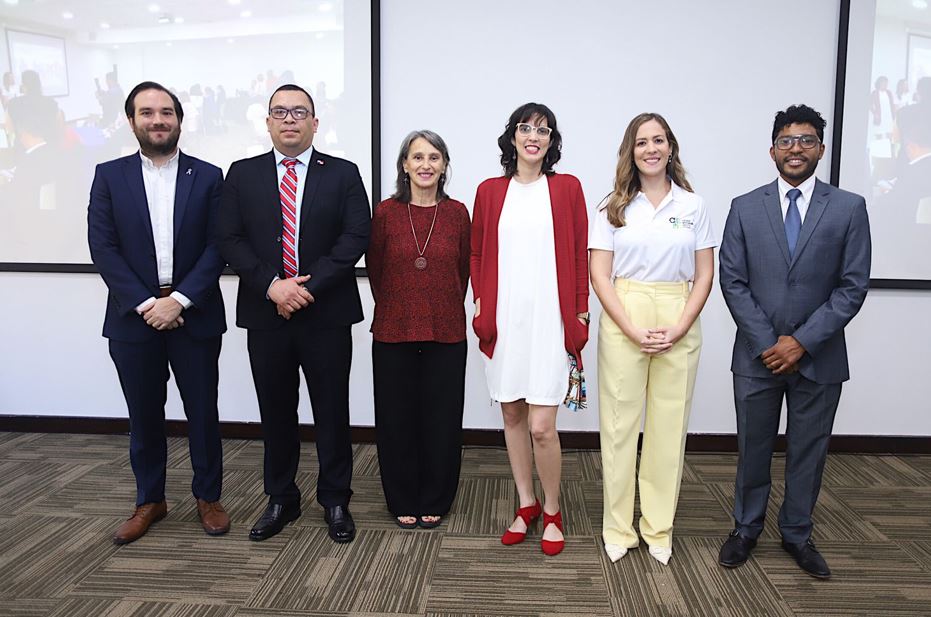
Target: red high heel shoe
x=529, y=514
x=552, y=547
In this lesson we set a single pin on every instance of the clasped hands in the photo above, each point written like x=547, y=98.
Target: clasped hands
x=290, y=295
x=782, y=358
x=164, y=314
x=656, y=341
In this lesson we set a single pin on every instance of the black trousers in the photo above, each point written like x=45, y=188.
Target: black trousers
x=811, y=408
x=325, y=357
x=143, y=371
x=419, y=396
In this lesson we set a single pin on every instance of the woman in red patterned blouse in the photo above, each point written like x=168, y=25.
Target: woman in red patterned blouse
x=418, y=267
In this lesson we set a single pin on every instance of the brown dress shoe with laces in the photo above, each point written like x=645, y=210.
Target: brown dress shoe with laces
x=136, y=525
x=213, y=517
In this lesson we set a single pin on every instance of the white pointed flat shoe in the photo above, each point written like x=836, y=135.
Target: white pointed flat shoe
x=661, y=554
x=615, y=552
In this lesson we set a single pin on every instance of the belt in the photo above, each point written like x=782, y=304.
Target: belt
x=165, y=290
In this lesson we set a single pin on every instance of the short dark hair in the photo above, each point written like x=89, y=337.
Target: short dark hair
x=914, y=124
x=38, y=117
x=509, y=152
x=130, y=107
x=923, y=90
x=799, y=114
x=293, y=88
x=30, y=83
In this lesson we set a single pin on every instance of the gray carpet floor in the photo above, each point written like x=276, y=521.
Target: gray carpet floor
x=62, y=496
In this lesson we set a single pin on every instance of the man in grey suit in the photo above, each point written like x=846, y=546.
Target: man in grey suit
x=795, y=267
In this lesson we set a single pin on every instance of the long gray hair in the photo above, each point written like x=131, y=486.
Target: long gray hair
x=402, y=185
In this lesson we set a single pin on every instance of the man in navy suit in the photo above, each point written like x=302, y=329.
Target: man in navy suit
x=150, y=228
x=293, y=224
x=795, y=268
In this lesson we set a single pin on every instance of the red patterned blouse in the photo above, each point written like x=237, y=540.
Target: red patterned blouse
x=414, y=303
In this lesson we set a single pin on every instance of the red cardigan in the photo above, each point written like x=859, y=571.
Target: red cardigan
x=570, y=228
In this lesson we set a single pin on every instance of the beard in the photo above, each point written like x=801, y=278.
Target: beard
x=150, y=147
x=800, y=174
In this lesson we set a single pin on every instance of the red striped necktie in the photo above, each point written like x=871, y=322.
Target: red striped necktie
x=288, y=194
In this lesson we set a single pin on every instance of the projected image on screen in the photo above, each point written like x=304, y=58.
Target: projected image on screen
x=67, y=68
x=888, y=156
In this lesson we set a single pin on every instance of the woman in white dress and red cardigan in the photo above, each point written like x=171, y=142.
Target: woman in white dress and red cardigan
x=529, y=280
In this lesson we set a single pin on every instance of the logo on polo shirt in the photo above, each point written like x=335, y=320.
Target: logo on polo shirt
x=680, y=223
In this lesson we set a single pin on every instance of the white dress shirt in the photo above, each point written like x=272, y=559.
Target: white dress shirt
x=655, y=244
x=160, y=185
x=303, y=161
x=807, y=188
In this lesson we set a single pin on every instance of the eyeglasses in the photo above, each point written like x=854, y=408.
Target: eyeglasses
x=526, y=129
x=806, y=141
x=280, y=113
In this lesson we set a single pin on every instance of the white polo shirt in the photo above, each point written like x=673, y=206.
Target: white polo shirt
x=655, y=244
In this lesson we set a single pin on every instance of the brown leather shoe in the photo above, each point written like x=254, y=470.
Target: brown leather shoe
x=136, y=525
x=213, y=517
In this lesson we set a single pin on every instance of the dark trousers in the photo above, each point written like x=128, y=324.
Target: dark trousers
x=143, y=371
x=811, y=408
x=324, y=356
x=419, y=396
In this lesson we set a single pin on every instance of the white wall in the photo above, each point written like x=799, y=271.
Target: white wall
x=55, y=363
x=462, y=76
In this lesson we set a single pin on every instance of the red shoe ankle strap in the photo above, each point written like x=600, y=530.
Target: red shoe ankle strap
x=556, y=519
x=530, y=513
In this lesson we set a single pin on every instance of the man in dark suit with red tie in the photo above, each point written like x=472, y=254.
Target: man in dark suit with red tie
x=293, y=224
x=150, y=230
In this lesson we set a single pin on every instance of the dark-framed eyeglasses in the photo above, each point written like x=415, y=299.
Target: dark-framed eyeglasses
x=806, y=141
x=298, y=113
x=526, y=129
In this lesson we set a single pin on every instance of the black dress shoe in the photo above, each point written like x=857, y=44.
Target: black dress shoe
x=342, y=527
x=808, y=558
x=735, y=550
x=273, y=520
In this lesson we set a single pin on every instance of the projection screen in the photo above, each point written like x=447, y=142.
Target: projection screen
x=68, y=66
x=886, y=148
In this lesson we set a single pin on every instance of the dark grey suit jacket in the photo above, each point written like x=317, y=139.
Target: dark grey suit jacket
x=812, y=295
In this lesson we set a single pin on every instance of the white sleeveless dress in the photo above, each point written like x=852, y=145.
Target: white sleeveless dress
x=530, y=360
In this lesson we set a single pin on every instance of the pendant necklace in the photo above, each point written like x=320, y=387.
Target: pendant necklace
x=421, y=262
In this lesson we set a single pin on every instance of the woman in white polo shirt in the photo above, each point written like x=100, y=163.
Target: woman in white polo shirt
x=649, y=239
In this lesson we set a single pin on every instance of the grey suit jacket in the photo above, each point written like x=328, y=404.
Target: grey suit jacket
x=811, y=295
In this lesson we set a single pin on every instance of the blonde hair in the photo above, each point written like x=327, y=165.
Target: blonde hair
x=627, y=178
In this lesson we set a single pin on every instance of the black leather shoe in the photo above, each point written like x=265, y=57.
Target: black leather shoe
x=342, y=527
x=808, y=558
x=735, y=550
x=273, y=520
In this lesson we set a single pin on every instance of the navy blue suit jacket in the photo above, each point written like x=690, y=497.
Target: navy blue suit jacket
x=810, y=295
x=334, y=233
x=119, y=231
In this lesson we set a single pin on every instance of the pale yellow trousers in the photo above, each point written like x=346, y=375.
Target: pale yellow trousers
x=629, y=383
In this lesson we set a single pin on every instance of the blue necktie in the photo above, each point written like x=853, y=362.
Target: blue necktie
x=793, y=220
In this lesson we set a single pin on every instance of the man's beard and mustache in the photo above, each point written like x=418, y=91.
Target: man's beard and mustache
x=802, y=173
x=151, y=148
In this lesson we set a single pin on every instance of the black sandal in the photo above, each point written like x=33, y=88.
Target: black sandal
x=404, y=525
x=429, y=524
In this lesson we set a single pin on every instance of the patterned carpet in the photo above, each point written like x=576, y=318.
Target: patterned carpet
x=61, y=497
